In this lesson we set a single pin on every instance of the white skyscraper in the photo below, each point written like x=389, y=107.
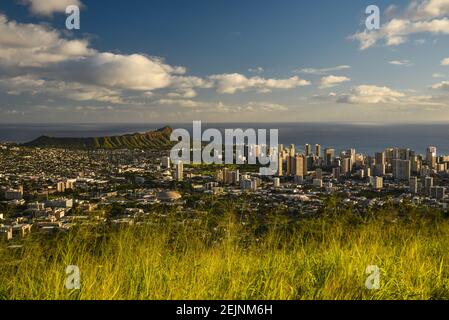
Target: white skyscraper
x=180, y=171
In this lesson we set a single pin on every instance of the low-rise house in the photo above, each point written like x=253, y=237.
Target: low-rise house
x=60, y=203
x=5, y=233
x=21, y=230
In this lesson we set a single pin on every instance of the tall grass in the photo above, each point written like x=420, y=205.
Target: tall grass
x=224, y=258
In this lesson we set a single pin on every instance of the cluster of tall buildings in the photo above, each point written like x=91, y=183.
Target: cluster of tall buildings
x=399, y=164
x=292, y=163
x=233, y=177
x=166, y=163
x=402, y=165
x=227, y=176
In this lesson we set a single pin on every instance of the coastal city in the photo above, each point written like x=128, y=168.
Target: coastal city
x=51, y=190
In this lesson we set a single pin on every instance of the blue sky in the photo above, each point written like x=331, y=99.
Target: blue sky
x=223, y=61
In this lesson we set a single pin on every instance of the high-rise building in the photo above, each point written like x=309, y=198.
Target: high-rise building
x=280, y=172
x=401, y=154
x=367, y=172
x=318, y=151
x=415, y=163
x=292, y=150
x=307, y=150
x=329, y=155
x=306, y=165
x=438, y=193
x=414, y=185
x=431, y=156
x=389, y=155
x=370, y=161
x=180, y=171
x=299, y=165
x=336, y=172
x=379, y=170
x=380, y=158
x=428, y=184
x=352, y=153
x=346, y=166
x=401, y=170
x=231, y=177
x=289, y=164
x=377, y=183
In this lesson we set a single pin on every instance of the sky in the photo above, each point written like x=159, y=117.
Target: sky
x=224, y=61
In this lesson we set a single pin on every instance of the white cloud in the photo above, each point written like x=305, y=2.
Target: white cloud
x=438, y=75
x=31, y=45
x=256, y=70
x=187, y=82
x=403, y=63
x=39, y=52
x=232, y=83
x=130, y=72
x=219, y=107
x=323, y=71
x=184, y=103
x=332, y=96
x=49, y=7
x=68, y=90
x=332, y=81
x=421, y=17
x=185, y=86
x=265, y=106
x=370, y=94
x=418, y=10
x=445, y=62
x=183, y=93
x=444, y=85
x=367, y=94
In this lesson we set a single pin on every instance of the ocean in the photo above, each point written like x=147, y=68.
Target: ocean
x=365, y=138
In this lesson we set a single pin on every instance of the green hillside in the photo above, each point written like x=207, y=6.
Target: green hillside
x=159, y=139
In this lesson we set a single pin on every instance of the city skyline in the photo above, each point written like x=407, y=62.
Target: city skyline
x=239, y=154
x=224, y=62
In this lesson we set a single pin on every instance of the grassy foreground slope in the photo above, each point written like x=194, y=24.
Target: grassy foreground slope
x=222, y=258
x=159, y=139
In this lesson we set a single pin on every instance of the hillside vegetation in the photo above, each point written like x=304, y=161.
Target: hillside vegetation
x=223, y=256
x=159, y=139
